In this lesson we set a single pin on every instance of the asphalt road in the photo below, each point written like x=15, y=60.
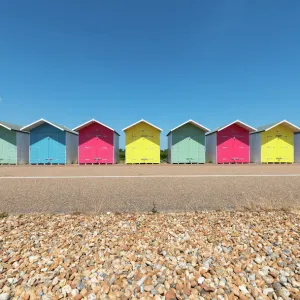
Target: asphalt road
x=63, y=189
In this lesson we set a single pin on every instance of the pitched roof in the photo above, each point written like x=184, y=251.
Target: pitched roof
x=41, y=121
x=142, y=121
x=242, y=124
x=91, y=122
x=270, y=126
x=10, y=126
x=191, y=122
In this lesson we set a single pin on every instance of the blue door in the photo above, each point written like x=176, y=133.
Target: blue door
x=47, y=145
x=57, y=148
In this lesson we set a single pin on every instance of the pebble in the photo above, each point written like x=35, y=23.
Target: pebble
x=267, y=291
x=4, y=296
x=243, y=289
x=203, y=255
x=170, y=295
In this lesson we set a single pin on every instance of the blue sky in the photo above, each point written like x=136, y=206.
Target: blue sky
x=165, y=61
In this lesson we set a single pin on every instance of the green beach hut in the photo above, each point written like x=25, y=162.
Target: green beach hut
x=14, y=144
x=186, y=143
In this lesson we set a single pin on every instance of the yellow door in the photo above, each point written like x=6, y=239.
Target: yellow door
x=278, y=145
x=142, y=144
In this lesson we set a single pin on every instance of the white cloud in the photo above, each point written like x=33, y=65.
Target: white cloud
x=1, y=99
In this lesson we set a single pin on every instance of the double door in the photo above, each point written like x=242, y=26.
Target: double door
x=95, y=147
x=48, y=148
x=278, y=146
x=143, y=148
x=233, y=147
x=187, y=149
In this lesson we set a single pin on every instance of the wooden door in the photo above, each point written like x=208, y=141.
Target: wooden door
x=225, y=147
x=8, y=149
x=241, y=147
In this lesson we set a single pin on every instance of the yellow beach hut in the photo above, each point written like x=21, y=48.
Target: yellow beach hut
x=273, y=143
x=142, y=141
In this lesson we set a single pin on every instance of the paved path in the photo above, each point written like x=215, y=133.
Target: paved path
x=135, y=188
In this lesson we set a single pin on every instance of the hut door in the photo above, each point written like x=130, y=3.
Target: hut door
x=194, y=142
x=241, y=148
x=105, y=147
x=8, y=153
x=87, y=150
x=56, y=148
x=39, y=148
x=225, y=147
x=180, y=149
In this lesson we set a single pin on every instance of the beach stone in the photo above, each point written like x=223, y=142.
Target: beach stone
x=192, y=255
x=4, y=296
x=170, y=295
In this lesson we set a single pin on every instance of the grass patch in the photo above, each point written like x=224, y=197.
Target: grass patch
x=3, y=215
x=154, y=208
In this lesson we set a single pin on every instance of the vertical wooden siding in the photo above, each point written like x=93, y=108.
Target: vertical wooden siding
x=47, y=145
x=277, y=145
x=96, y=144
x=188, y=144
x=233, y=145
x=8, y=147
x=142, y=144
x=297, y=147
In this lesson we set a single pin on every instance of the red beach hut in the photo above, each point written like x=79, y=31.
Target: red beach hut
x=98, y=143
x=229, y=144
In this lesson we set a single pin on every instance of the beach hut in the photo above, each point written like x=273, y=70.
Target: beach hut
x=229, y=144
x=98, y=143
x=51, y=143
x=273, y=143
x=142, y=141
x=186, y=143
x=297, y=147
x=14, y=144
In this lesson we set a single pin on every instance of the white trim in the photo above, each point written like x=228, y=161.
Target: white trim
x=240, y=122
x=142, y=120
x=260, y=146
x=286, y=122
x=216, y=158
x=31, y=126
x=5, y=126
x=171, y=149
x=29, y=149
x=90, y=122
x=192, y=122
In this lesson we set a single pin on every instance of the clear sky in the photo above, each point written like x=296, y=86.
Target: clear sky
x=166, y=61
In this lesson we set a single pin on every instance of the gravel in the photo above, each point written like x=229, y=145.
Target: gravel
x=207, y=255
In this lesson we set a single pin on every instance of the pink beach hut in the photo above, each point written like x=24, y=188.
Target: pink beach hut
x=98, y=143
x=229, y=144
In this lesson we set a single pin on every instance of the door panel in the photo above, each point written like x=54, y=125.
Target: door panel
x=39, y=148
x=105, y=148
x=225, y=148
x=194, y=151
x=181, y=147
x=57, y=149
x=87, y=148
x=241, y=148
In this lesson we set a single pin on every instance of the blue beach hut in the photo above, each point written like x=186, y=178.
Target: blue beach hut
x=51, y=143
